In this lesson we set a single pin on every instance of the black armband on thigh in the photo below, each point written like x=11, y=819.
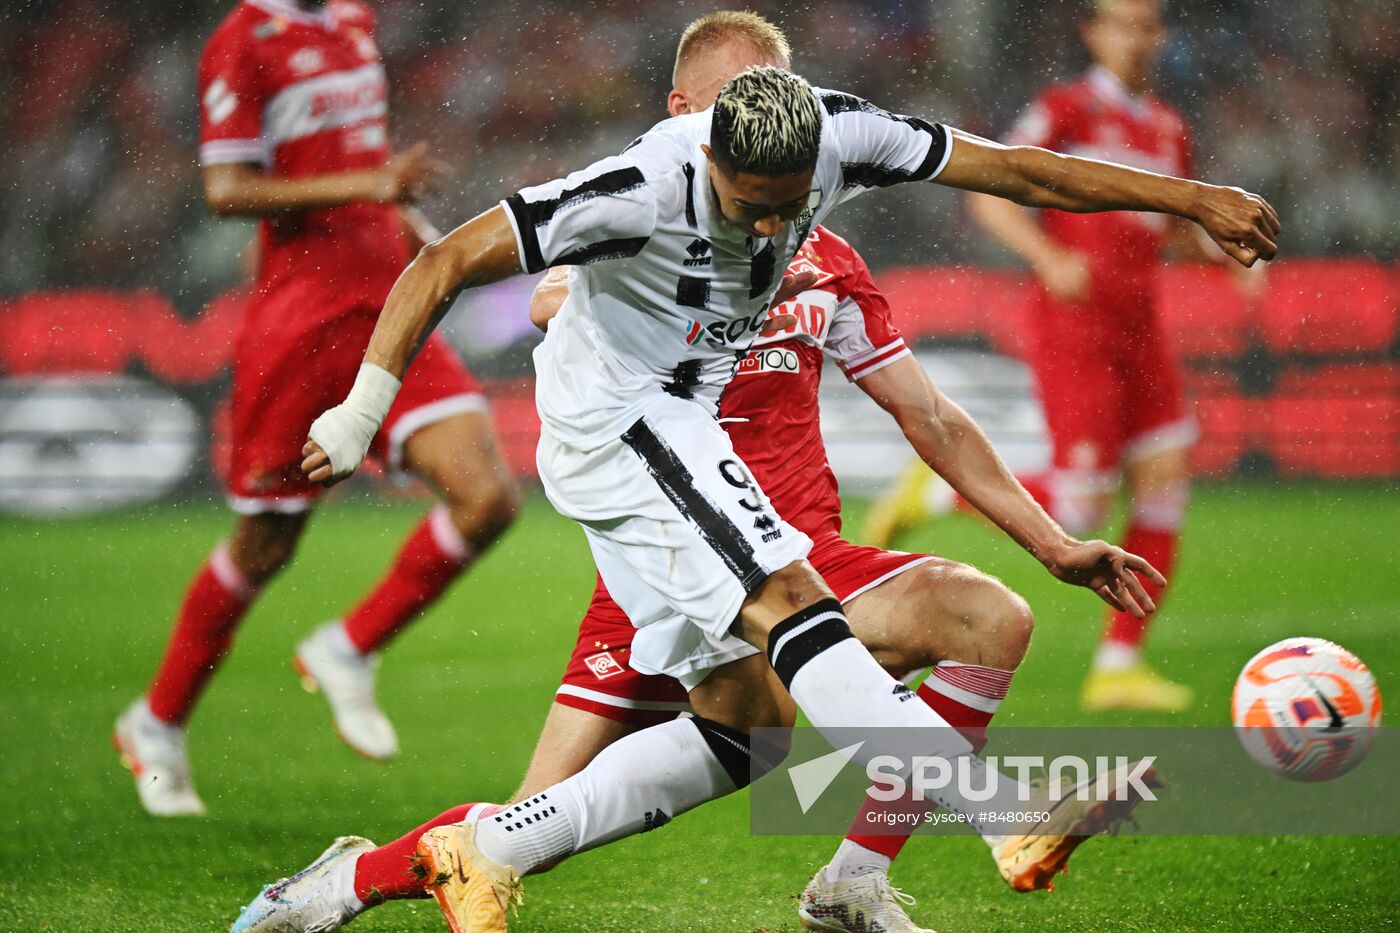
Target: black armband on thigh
x=742, y=757
x=801, y=637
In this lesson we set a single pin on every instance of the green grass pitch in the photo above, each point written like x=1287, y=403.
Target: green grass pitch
x=85, y=605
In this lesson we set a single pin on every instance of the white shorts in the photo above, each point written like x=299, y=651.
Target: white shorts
x=680, y=531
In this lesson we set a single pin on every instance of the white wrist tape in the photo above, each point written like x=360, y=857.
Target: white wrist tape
x=345, y=432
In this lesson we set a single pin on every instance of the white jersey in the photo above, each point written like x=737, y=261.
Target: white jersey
x=665, y=294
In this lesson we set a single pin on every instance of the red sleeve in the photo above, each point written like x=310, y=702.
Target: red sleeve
x=1043, y=123
x=863, y=337
x=231, y=98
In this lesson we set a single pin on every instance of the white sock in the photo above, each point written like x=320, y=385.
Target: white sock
x=1116, y=656
x=638, y=783
x=852, y=860
x=342, y=884
x=337, y=641
x=837, y=683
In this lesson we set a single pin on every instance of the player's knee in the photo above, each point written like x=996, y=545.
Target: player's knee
x=791, y=589
x=258, y=557
x=998, y=624
x=489, y=509
x=1009, y=623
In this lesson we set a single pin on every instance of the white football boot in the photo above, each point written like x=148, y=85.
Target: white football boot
x=154, y=752
x=864, y=904
x=328, y=662
x=318, y=898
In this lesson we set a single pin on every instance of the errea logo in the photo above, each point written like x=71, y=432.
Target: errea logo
x=699, y=253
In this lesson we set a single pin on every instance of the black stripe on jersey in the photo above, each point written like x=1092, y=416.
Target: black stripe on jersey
x=531, y=214
x=533, y=259
x=678, y=485
x=617, y=181
x=876, y=175
x=602, y=250
x=761, y=269
x=937, y=148
x=834, y=102
x=684, y=378
x=690, y=196
x=692, y=292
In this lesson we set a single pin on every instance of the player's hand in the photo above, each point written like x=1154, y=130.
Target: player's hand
x=410, y=175
x=1109, y=571
x=1244, y=225
x=791, y=287
x=336, y=444
x=1065, y=275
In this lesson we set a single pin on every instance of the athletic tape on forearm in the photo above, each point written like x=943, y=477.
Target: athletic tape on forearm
x=345, y=432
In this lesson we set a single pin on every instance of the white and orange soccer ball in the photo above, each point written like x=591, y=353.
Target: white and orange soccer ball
x=1306, y=708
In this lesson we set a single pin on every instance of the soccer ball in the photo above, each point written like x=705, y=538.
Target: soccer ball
x=1306, y=709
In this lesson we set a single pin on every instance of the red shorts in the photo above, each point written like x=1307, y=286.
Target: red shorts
x=286, y=374
x=1109, y=384
x=599, y=680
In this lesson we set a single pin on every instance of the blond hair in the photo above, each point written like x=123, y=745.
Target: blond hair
x=766, y=122
x=715, y=29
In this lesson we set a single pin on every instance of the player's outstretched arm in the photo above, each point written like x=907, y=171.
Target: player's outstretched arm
x=950, y=442
x=1244, y=225
x=481, y=251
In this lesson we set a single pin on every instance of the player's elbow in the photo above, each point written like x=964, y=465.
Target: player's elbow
x=221, y=197
x=1038, y=175
x=225, y=188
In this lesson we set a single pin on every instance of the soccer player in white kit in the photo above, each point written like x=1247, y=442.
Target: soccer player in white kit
x=676, y=247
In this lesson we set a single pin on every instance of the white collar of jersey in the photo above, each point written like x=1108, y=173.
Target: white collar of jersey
x=290, y=9
x=1107, y=85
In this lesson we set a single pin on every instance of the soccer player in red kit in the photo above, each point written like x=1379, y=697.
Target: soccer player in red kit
x=1109, y=385
x=294, y=130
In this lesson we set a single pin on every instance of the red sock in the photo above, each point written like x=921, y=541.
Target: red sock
x=967, y=696
x=1159, y=547
x=214, y=604
x=428, y=562
x=387, y=873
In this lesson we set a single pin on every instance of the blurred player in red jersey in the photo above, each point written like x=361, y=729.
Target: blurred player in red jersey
x=1107, y=380
x=913, y=611
x=294, y=130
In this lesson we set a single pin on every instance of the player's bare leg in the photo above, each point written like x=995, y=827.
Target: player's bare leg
x=570, y=739
x=150, y=735
x=1158, y=490
x=457, y=457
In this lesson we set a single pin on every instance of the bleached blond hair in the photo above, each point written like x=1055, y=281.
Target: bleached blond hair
x=715, y=29
x=766, y=122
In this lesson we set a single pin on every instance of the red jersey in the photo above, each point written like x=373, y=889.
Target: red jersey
x=301, y=91
x=1097, y=118
x=770, y=408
